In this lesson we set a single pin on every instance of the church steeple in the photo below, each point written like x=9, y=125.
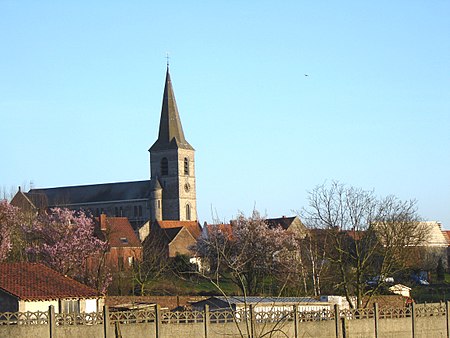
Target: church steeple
x=171, y=134
x=172, y=166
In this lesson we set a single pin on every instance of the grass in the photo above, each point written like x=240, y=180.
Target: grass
x=190, y=285
x=437, y=291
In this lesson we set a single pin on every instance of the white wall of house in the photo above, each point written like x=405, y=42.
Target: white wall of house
x=86, y=305
x=89, y=305
x=37, y=305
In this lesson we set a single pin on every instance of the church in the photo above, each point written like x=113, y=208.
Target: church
x=169, y=194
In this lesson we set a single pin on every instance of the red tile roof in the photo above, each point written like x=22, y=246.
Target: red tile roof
x=226, y=229
x=192, y=226
x=355, y=234
x=120, y=233
x=34, y=281
x=446, y=234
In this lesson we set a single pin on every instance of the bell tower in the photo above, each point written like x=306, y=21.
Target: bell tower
x=172, y=166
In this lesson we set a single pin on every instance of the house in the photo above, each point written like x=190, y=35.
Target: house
x=174, y=237
x=435, y=245
x=124, y=245
x=34, y=287
x=225, y=229
x=446, y=234
x=292, y=224
x=436, y=237
x=261, y=304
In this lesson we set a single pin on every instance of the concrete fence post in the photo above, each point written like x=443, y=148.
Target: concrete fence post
x=51, y=321
x=157, y=321
x=106, y=321
x=206, y=320
x=447, y=318
x=344, y=327
x=295, y=321
x=375, y=318
x=413, y=320
x=337, y=320
x=252, y=321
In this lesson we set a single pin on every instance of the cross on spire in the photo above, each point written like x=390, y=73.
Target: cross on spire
x=167, y=59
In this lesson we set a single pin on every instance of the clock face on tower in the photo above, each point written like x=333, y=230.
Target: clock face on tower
x=187, y=187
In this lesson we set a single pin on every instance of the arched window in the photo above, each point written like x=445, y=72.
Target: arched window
x=186, y=166
x=164, y=167
x=188, y=212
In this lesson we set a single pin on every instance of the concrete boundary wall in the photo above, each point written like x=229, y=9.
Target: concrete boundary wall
x=429, y=320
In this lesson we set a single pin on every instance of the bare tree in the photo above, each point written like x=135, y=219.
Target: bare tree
x=153, y=266
x=313, y=249
x=368, y=237
x=250, y=253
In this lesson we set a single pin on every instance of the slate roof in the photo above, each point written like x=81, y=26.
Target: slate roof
x=192, y=226
x=120, y=233
x=82, y=194
x=284, y=222
x=34, y=281
x=171, y=233
x=171, y=135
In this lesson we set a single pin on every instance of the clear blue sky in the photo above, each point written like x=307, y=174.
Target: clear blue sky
x=81, y=87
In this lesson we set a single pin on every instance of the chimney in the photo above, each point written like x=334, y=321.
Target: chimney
x=102, y=219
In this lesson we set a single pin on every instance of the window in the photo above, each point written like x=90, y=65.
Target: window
x=164, y=167
x=70, y=306
x=124, y=240
x=159, y=204
x=120, y=212
x=186, y=166
x=130, y=261
x=135, y=211
x=116, y=211
x=188, y=212
x=140, y=211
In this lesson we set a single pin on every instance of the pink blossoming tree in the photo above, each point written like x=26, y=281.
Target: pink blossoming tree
x=8, y=218
x=252, y=254
x=65, y=241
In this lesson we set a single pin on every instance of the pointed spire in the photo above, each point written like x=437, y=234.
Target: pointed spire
x=170, y=130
